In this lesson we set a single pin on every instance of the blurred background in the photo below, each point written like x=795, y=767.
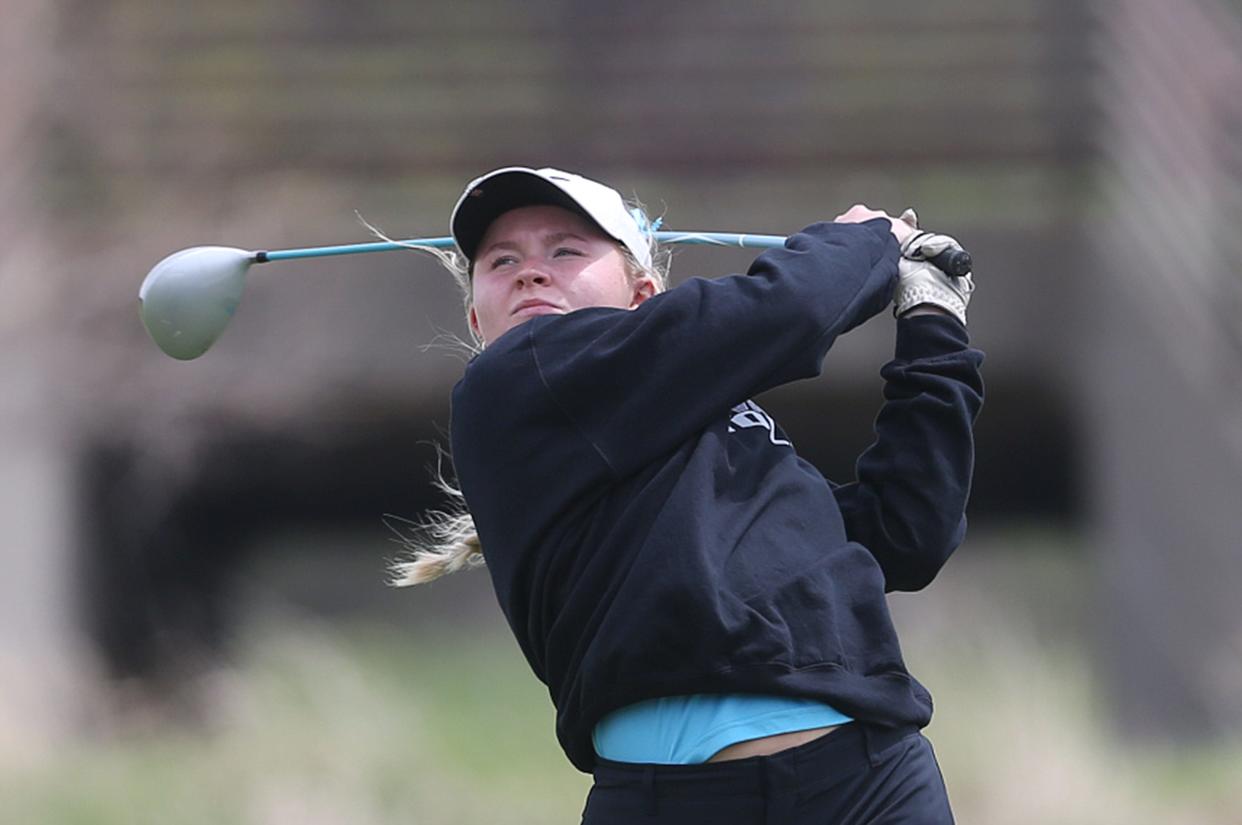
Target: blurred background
x=194, y=621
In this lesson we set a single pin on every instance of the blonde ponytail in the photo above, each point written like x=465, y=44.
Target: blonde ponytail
x=443, y=542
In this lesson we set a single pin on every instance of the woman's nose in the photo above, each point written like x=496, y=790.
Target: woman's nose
x=533, y=276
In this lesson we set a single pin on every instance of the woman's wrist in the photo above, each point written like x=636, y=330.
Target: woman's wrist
x=926, y=309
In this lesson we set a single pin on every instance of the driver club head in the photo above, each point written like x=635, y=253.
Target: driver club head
x=187, y=299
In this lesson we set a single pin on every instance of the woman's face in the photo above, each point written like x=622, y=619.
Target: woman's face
x=545, y=260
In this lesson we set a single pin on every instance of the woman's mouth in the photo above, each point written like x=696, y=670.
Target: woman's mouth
x=535, y=307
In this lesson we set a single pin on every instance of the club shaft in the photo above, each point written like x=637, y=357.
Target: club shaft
x=953, y=261
x=745, y=241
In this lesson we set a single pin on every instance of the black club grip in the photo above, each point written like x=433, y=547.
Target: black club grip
x=955, y=262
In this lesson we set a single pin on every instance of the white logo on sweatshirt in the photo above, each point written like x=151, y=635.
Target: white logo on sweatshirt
x=749, y=414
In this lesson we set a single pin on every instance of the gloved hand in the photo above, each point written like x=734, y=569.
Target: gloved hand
x=918, y=282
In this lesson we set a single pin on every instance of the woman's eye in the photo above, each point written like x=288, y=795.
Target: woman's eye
x=565, y=250
x=503, y=260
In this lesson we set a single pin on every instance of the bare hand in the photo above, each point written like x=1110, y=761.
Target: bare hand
x=900, y=228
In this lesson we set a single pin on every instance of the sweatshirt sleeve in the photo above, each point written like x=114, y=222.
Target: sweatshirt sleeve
x=908, y=504
x=636, y=384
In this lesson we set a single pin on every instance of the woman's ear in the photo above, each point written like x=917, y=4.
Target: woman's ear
x=644, y=288
x=472, y=318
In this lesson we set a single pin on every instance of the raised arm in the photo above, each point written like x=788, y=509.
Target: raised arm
x=908, y=504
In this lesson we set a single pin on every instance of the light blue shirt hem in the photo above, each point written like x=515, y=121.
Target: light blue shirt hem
x=687, y=730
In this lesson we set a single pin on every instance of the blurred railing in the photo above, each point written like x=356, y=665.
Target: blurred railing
x=406, y=89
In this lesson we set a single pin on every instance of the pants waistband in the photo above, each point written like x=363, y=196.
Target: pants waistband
x=850, y=744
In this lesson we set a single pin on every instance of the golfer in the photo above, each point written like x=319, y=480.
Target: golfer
x=707, y=610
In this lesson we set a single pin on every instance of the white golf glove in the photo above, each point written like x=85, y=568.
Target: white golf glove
x=918, y=282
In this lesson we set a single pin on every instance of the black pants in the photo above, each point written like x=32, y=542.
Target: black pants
x=856, y=774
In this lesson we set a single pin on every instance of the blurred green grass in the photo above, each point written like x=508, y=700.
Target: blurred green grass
x=352, y=720
x=325, y=724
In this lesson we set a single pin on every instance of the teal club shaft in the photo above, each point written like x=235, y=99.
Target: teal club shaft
x=745, y=241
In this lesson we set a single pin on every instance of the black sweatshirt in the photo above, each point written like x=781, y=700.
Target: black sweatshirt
x=649, y=532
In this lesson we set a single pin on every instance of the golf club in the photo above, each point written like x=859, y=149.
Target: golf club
x=187, y=299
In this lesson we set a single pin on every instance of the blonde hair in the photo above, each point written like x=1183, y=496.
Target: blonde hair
x=443, y=542
x=446, y=540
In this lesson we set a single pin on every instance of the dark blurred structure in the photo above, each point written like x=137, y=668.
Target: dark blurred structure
x=266, y=125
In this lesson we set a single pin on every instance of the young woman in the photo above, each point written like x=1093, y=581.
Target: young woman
x=706, y=609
